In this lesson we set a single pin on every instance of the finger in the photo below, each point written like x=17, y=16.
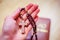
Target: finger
x=33, y=14
x=15, y=13
x=28, y=6
x=30, y=26
x=32, y=9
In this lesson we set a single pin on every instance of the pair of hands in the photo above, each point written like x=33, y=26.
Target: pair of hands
x=11, y=30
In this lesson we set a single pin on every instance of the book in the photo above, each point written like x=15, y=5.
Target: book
x=43, y=29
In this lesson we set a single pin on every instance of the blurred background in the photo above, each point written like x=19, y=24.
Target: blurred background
x=48, y=9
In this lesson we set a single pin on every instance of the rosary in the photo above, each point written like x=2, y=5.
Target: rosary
x=32, y=22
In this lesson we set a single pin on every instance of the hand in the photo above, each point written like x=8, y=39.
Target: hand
x=11, y=28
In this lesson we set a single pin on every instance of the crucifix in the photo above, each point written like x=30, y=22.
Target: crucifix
x=23, y=24
x=32, y=22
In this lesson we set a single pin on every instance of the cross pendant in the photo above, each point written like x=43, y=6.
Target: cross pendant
x=22, y=24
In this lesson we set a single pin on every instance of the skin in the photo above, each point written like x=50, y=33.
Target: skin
x=11, y=28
